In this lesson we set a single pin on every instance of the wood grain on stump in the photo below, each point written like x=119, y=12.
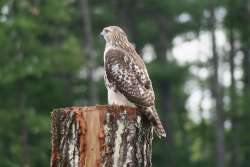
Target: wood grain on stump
x=100, y=136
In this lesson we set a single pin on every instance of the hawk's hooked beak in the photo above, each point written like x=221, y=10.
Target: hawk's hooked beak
x=102, y=33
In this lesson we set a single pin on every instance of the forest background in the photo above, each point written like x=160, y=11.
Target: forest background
x=197, y=53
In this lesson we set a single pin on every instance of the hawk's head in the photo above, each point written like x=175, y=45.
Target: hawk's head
x=112, y=34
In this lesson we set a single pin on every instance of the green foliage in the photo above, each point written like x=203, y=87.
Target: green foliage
x=40, y=56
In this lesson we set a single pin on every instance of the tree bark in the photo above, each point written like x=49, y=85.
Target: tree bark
x=107, y=136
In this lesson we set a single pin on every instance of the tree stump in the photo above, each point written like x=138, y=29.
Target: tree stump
x=100, y=136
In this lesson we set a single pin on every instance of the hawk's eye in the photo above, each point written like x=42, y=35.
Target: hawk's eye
x=106, y=31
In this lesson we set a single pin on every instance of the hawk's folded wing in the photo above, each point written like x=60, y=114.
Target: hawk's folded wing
x=129, y=78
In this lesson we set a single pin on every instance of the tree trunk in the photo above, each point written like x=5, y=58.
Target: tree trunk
x=217, y=94
x=24, y=141
x=166, y=107
x=90, y=53
x=24, y=131
x=162, y=44
x=108, y=136
x=235, y=157
x=246, y=68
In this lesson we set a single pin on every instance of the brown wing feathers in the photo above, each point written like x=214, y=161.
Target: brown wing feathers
x=129, y=79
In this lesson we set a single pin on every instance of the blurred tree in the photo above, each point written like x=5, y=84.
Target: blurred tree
x=244, y=30
x=89, y=51
x=237, y=22
x=234, y=107
x=216, y=90
x=46, y=49
x=40, y=56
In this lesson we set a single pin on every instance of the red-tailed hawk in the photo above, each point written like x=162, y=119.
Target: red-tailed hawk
x=126, y=76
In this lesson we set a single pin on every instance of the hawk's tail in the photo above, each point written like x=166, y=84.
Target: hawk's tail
x=152, y=115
